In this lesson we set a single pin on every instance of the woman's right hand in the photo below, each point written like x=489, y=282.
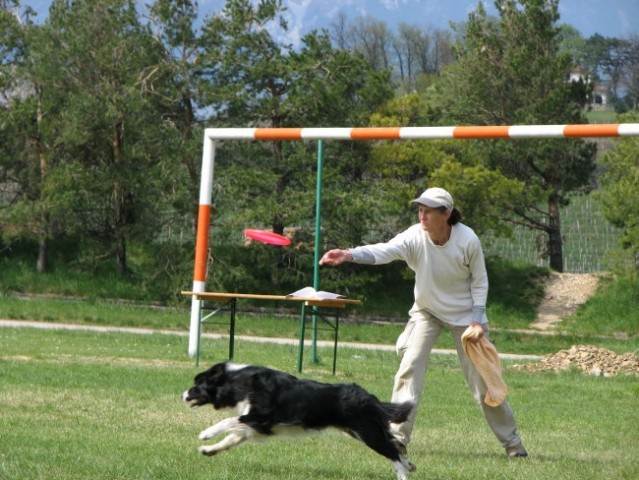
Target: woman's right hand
x=336, y=257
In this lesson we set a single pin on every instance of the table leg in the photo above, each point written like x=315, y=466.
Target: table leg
x=232, y=330
x=300, y=351
x=314, y=337
x=199, y=334
x=335, y=342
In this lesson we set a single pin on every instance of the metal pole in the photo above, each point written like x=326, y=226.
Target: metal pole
x=318, y=238
x=202, y=242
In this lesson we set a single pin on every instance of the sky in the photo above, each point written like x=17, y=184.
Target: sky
x=610, y=18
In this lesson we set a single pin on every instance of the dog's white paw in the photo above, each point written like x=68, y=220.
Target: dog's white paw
x=220, y=427
x=207, y=434
x=410, y=466
x=402, y=476
x=207, y=450
x=402, y=467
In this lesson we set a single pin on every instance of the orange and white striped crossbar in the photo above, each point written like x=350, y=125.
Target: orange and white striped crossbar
x=211, y=135
x=415, y=133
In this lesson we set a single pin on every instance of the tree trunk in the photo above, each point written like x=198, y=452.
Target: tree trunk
x=43, y=253
x=119, y=201
x=43, y=247
x=120, y=220
x=121, y=254
x=555, y=243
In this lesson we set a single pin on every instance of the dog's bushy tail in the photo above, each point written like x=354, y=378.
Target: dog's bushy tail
x=398, y=412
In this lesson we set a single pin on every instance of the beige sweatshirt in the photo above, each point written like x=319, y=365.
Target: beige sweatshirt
x=451, y=281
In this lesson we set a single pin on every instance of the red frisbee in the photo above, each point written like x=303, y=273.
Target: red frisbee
x=265, y=236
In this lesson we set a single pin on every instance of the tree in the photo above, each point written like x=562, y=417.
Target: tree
x=250, y=78
x=630, y=76
x=512, y=72
x=26, y=148
x=173, y=25
x=96, y=112
x=372, y=39
x=406, y=46
x=103, y=64
x=607, y=59
x=419, y=54
x=406, y=168
x=246, y=79
x=619, y=190
x=413, y=54
x=572, y=41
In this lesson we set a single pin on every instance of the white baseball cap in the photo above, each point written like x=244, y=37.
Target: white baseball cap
x=435, y=197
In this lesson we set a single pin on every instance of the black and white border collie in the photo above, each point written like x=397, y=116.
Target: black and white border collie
x=270, y=402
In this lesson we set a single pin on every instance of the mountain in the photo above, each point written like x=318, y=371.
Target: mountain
x=610, y=18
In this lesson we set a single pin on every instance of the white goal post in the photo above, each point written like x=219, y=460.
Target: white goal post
x=211, y=135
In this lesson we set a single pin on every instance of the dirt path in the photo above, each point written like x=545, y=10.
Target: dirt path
x=216, y=336
x=563, y=294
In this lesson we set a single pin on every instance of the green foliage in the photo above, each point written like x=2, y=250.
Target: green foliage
x=102, y=116
x=110, y=98
x=572, y=42
x=77, y=269
x=255, y=79
x=95, y=152
x=512, y=72
x=619, y=192
x=482, y=194
x=514, y=294
x=407, y=165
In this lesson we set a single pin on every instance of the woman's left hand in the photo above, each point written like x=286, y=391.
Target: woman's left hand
x=475, y=331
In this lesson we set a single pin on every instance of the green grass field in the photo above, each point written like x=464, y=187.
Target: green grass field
x=87, y=405
x=599, y=322
x=81, y=405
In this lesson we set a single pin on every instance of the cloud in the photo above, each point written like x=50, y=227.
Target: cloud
x=297, y=16
x=628, y=26
x=392, y=4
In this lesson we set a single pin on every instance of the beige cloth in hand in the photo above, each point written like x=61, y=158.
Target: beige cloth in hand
x=484, y=356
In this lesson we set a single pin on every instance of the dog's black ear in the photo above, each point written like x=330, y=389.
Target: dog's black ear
x=217, y=374
x=199, y=378
x=212, y=375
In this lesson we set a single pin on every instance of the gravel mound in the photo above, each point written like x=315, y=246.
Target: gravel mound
x=589, y=359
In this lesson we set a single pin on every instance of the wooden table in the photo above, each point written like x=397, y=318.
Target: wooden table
x=325, y=309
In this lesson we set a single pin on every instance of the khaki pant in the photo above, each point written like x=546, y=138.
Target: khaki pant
x=413, y=347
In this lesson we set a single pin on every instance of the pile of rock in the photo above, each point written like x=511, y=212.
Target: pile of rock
x=589, y=359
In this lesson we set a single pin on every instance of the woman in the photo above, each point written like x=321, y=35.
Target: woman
x=451, y=287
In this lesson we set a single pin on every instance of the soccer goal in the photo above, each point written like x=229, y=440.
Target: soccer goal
x=212, y=135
